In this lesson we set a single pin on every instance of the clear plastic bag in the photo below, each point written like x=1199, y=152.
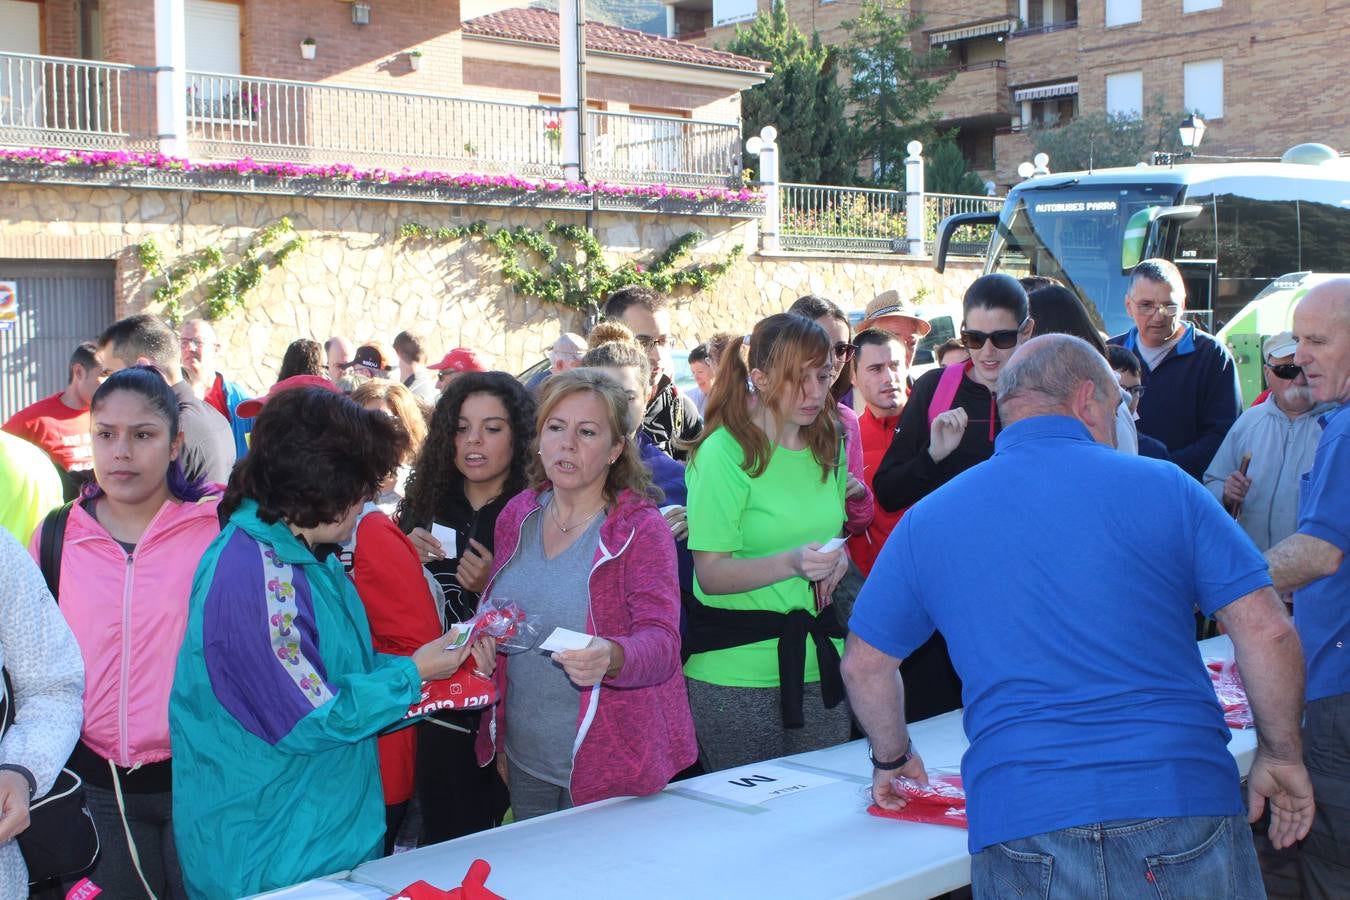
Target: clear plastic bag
x=942, y=801
x=505, y=621
x=1232, y=694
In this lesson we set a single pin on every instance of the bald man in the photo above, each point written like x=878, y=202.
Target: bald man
x=200, y=348
x=1311, y=563
x=1069, y=741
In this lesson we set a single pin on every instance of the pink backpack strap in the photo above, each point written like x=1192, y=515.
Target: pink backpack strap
x=945, y=394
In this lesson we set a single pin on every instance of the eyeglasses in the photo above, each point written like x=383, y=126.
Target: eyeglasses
x=1286, y=371
x=647, y=342
x=1136, y=392
x=1003, y=339
x=843, y=351
x=1148, y=309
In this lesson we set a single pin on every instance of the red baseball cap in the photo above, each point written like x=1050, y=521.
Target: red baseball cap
x=250, y=408
x=461, y=359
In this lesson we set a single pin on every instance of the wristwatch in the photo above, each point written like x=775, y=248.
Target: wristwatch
x=887, y=765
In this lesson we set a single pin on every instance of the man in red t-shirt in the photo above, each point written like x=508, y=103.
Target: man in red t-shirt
x=879, y=379
x=59, y=424
x=199, y=348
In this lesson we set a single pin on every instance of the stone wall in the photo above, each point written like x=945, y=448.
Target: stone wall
x=356, y=279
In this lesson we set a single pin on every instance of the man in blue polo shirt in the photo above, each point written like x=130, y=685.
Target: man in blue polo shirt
x=1311, y=563
x=1193, y=396
x=1098, y=751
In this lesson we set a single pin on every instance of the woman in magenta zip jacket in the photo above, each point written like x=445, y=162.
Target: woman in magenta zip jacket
x=630, y=730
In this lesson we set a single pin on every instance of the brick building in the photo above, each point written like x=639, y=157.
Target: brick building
x=1259, y=73
x=340, y=121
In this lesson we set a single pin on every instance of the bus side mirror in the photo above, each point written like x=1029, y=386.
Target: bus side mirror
x=1141, y=231
x=948, y=227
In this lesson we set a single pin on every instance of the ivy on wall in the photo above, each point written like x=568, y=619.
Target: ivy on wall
x=227, y=286
x=582, y=279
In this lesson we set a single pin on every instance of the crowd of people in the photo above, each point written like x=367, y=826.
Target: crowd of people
x=260, y=659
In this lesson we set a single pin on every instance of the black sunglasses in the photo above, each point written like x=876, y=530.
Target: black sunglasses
x=1287, y=371
x=843, y=351
x=1003, y=339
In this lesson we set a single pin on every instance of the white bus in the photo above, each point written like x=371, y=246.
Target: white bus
x=1232, y=229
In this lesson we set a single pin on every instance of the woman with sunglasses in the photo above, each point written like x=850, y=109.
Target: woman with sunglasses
x=949, y=424
x=859, y=504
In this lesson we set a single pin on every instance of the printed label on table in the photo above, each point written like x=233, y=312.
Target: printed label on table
x=756, y=784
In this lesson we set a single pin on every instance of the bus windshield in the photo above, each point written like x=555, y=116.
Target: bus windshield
x=1074, y=233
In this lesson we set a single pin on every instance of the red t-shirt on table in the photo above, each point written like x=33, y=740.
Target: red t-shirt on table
x=56, y=428
x=876, y=438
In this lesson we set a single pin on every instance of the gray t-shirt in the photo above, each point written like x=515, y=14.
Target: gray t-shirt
x=541, y=702
x=208, y=442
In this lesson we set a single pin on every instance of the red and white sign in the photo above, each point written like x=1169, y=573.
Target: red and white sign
x=9, y=304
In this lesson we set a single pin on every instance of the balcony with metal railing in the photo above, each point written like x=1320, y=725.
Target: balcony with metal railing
x=84, y=105
x=49, y=101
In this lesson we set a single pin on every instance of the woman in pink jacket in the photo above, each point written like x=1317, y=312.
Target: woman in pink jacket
x=131, y=546
x=585, y=548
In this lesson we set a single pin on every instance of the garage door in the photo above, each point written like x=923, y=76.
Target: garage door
x=60, y=303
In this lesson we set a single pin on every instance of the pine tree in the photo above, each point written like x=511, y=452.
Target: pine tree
x=891, y=89
x=802, y=100
x=945, y=170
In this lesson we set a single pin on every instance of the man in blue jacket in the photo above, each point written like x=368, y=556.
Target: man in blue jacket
x=1193, y=396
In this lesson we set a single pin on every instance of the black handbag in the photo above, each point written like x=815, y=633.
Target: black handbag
x=60, y=840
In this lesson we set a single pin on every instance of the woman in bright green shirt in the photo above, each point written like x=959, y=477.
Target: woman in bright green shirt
x=766, y=491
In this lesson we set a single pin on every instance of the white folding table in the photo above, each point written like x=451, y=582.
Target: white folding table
x=814, y=843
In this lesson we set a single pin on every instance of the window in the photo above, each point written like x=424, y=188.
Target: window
x=211, y=32
x=1204, y=87
x=727, y=11
x=20, y=27
x=1121, y=12
x=1189, y=6
x=1125, y=93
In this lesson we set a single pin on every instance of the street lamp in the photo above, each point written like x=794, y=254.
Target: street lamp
x=1192, y=132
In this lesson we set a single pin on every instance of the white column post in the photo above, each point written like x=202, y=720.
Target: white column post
x=572, y=55
x=915, y=208
x=171, y=97
x=765, y=147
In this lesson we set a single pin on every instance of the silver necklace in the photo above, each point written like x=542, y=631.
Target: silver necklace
x=565, y=529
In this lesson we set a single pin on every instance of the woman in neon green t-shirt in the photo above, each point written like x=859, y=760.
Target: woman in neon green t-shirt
x=766, y=491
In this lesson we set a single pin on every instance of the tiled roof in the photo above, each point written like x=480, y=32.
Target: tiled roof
x=540, y=26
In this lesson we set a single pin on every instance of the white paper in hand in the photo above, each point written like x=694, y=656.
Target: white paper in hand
x=831, y=545
x=565, y=639
x=448, y=537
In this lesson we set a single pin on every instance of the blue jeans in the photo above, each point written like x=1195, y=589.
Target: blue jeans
x=1199, y=856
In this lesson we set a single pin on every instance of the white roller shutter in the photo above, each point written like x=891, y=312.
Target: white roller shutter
x=212, y=32
x=20, y=27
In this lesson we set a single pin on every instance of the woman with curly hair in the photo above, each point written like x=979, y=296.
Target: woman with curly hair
x=589, y=551
x=472, y=463
x=279, y=693
x=302, y=357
